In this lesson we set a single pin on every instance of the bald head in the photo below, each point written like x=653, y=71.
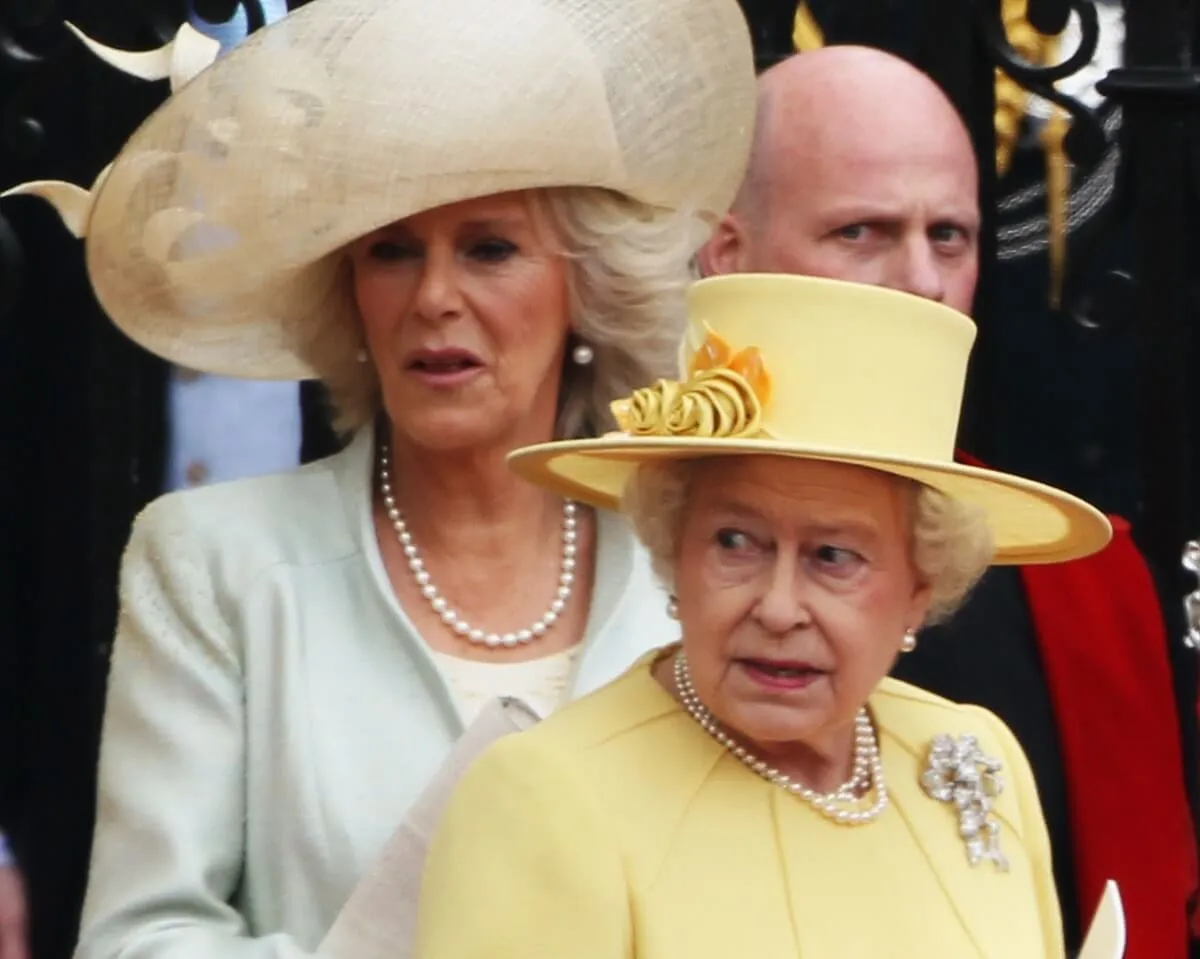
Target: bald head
x=861, y=169
x=841, y=102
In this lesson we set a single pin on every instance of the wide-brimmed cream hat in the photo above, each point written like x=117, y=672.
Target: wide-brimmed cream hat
x=822, y=370
x=209, y=240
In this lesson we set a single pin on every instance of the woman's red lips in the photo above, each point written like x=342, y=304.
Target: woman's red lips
x=448, y=360
x=780, y=673
x=797, y=665
x=444, y=369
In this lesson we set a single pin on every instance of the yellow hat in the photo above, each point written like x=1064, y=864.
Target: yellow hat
x=823, y=370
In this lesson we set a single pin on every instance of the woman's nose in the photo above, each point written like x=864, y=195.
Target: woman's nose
x=439, y=294
x=783, y=606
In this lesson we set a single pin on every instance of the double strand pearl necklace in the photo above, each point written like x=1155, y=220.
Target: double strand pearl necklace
x=451, y=617
x=843, y=805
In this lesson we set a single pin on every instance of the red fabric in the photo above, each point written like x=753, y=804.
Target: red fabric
x=1104, y=650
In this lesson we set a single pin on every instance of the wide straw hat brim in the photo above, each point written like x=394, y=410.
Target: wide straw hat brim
x=811, y=368
x=214, y=240
x=1030, y=522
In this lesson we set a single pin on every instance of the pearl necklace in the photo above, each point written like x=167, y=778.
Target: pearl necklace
x=451, y=617
x=868, y=768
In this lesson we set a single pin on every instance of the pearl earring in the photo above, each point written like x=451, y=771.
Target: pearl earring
x=362, y=356
x=909, y=642
x=583, y=354
x=673, y=608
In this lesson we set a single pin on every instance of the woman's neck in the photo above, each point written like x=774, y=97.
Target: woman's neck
x=822, y=766
x=493, y=547
x=453, y=501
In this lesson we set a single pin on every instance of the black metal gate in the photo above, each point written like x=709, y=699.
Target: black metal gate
x=1092, y=394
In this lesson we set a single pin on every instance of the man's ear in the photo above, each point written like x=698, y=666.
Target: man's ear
x=727, y=250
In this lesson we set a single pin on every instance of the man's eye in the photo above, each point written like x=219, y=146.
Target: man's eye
x=855, y=231
x=948, y=234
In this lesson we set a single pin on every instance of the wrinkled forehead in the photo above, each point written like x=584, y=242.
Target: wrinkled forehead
x=900, y=184
x=799, y=492
x=820, y=162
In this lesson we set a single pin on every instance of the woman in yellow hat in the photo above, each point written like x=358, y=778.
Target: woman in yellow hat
x=762, y=788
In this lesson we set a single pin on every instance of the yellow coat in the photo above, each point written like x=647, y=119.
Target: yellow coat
x=618, y=828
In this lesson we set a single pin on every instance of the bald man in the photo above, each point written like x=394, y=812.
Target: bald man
x=862, y=170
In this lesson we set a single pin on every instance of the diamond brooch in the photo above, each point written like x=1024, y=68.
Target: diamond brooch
x=959, y=774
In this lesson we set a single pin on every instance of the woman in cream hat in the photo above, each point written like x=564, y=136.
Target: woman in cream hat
x=473, y=222
x=762, y=788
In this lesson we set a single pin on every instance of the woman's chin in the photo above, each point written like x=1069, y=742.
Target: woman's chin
x=772, y=725
x=450, y=431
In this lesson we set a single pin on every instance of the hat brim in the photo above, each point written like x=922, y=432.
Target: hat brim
x=215, y=237
x=1031, y=523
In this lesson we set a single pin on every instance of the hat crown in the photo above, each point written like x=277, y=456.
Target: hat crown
x=814, y=369
x=852, y=368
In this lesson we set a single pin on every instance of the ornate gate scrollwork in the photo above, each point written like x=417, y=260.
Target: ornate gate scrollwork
x=1151, y=137
x=1086, y=138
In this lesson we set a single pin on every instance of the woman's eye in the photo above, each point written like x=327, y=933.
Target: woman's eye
x=732, y=539
x=492, y=251
x=390, y=251
x=837, y=557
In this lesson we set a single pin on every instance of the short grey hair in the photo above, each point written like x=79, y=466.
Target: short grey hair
x=627, y=270
x=951, y=543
